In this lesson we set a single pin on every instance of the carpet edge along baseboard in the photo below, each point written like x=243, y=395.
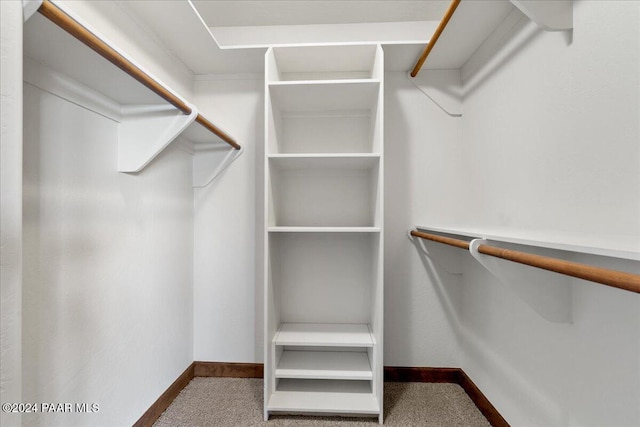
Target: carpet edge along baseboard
x=256, y=370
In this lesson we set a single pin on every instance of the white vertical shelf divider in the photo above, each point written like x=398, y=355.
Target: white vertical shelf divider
x=323, y=263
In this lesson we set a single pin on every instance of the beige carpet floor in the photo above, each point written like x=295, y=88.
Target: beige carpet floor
x=237, y=402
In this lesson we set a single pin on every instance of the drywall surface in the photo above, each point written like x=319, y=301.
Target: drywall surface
x=227, y=243
x=550, y=134
x=551, y=126
x=131, y=37
x=11, y=209
x=422, y=298
x=108, y=296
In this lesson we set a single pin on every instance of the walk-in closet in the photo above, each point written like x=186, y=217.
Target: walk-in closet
x=308, y=213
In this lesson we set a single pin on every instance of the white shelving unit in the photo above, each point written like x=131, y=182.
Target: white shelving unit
x=323, y=230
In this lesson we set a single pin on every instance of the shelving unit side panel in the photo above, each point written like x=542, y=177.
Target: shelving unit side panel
x=377, y=318
x=272, y=72
x=270, y=315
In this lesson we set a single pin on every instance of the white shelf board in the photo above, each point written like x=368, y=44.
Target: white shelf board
x=324, y=155
x=328, y=365
x=284, y=229
x=324, y=334
x=324, y=396
x=321, y=82
x=325, y=95
x=330, y=161
x=625, y=247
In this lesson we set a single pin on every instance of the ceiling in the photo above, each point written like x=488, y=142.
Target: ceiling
x=230, y=37
x=305, y=12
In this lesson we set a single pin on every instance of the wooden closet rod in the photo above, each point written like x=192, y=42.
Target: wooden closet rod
x=71, y=26
x=462, y=244
x=436, y=35
x=616, y=279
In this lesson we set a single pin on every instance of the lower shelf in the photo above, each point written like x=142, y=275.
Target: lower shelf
x=324, y=396
x=330, y=365
x=324, y=334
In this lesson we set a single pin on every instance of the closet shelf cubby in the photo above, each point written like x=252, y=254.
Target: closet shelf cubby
x=324, y=191
x=324, y=116
x=97, y=75
x=323, y=62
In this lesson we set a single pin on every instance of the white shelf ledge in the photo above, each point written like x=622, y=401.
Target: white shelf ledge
x=324, y=335
x=320, y=82
x=324, y=229
x=624, y=247
x=324, y=365
x=324, y=396
x=294, y=156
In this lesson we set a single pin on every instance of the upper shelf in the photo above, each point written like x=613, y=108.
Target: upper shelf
x=624, y=247
x=151, y=116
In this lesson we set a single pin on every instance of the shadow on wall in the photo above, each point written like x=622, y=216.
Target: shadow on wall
x=435, y=259
x=498, y=50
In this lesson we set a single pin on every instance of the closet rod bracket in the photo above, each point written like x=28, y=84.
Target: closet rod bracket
x=146, y=130
x=547, y=293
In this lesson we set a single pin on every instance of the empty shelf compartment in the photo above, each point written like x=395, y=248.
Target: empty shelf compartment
x=326, y=192
x=291, y=63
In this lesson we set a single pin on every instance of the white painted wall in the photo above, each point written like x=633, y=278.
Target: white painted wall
x=422, y=184
x=227, y=243
x=550, y=143
x=11, y=208
x=108, y=296
x=120, y=28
